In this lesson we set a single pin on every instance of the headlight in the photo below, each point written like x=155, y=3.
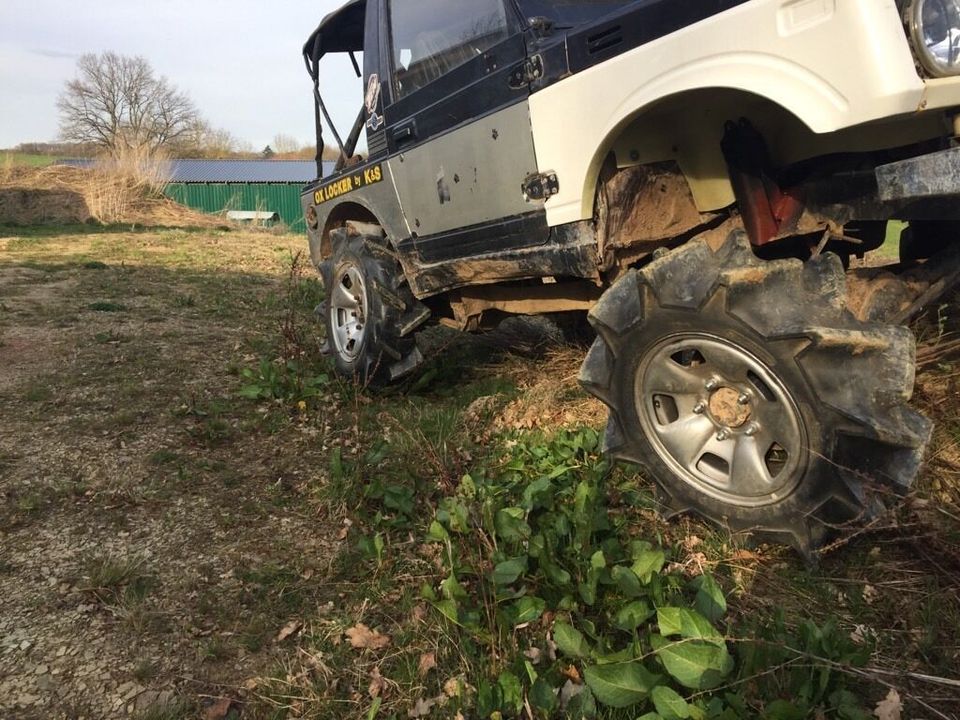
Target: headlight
x=935, y=29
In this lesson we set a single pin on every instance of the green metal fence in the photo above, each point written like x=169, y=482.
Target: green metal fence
x=281, y=198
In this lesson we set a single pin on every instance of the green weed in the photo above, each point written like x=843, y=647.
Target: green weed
x=106, y=306
x=114, y=580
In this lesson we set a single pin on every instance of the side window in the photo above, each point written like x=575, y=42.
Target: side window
x=432, y=37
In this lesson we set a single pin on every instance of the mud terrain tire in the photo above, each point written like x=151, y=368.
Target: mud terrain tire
x=369, y=312
x=750, y=395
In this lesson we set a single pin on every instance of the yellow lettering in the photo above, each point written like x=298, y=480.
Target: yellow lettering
x=348, y=184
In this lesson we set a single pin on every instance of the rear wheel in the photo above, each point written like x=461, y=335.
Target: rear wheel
x=750, y=394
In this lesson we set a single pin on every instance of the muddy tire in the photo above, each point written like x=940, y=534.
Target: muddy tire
x=369, y=313
x=750, y=395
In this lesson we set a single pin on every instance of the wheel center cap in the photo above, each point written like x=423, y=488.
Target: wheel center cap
x=726, y=409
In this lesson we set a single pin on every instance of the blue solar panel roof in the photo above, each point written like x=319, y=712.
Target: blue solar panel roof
x=239, y=171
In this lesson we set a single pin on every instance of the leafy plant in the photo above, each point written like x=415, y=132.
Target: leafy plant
x=536, y=567
x=287, y=381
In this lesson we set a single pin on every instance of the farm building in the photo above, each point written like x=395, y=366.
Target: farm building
x=242, y=186
x=215, y=186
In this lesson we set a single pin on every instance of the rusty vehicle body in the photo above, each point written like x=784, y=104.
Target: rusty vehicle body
x=696, y=175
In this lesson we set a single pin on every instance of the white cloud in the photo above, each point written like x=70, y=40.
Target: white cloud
x=239, y=60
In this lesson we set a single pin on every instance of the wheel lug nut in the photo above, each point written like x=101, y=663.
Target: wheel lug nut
x=712, y=384
x=744, y=399
x=723, y=434
x=700, y=407
x=752, y=429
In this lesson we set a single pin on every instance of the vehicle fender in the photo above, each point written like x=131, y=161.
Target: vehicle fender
x=831, y=64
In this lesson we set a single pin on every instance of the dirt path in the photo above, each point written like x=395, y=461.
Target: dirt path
x=149, y=550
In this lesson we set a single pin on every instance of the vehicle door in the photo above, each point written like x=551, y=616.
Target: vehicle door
x=458, y=126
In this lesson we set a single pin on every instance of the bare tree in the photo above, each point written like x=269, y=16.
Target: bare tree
x=205, y=141
x=118, y=103
x=283, y=144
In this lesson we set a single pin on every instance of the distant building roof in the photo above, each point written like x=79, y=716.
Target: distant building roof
x=235, y=171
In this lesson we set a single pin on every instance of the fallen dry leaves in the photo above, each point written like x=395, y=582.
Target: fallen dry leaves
x=218, y=710
x=291, y=628
x=363, y=638
x=428, y=661
x=890, y=707
x=421, y=708
x=377, y=683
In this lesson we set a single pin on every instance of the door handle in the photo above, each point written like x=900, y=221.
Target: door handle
x=404, y=133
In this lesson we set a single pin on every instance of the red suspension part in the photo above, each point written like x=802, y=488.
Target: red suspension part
x=766, y=209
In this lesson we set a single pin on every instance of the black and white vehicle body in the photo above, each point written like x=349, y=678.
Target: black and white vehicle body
x=697, y=175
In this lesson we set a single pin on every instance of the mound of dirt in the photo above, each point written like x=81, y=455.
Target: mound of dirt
x=59, y=194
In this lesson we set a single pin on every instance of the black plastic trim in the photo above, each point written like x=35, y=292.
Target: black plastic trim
x=519, y=231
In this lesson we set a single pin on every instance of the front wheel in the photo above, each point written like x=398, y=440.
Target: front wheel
x=369, y=312
x=750, y=395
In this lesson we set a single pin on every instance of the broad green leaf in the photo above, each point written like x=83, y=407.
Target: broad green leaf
x=848, y=706
x=467, y=487
x=509, y=570
x=531, y=672
x=582, y=706
x=638, y=547
x=511, y=690
x=687, y=623
x=527, y=609
x=437, y=532
x=555, y=573
x=489, y=698
x=632, y=615
x=537, y=494
x=542, y=695
x=250, y=392
x=454, y=515
x=452, y=589
x=558, y=471
x=669, y=704
x=621, y=684
x=650, y=716
x=447, y=608
x=374, y=708
x=648, y=562
x=588, y=591
x=583, y=500
x=627, y=581
x=598, y=561
x=621, y=656
x=709, y=601
x=783, y=710
x=426, y=592
x=537, y=547
x=510, y=524
x=570, y=640
x=695, y=664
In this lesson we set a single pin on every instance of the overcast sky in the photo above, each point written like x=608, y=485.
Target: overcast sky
x=239, y=60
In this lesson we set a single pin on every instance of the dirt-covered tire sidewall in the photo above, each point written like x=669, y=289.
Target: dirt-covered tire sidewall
x=817, y=481
x=370, y=362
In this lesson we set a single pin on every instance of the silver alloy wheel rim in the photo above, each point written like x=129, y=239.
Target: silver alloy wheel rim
x=750, y=451
x=348, y=311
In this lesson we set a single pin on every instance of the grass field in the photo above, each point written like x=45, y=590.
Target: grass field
x=199, y=520
x=9, y=158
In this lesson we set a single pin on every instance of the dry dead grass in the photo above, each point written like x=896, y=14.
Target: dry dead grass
x=127, y=190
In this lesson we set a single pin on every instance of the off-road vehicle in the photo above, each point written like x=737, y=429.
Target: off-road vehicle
x=698, y=175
